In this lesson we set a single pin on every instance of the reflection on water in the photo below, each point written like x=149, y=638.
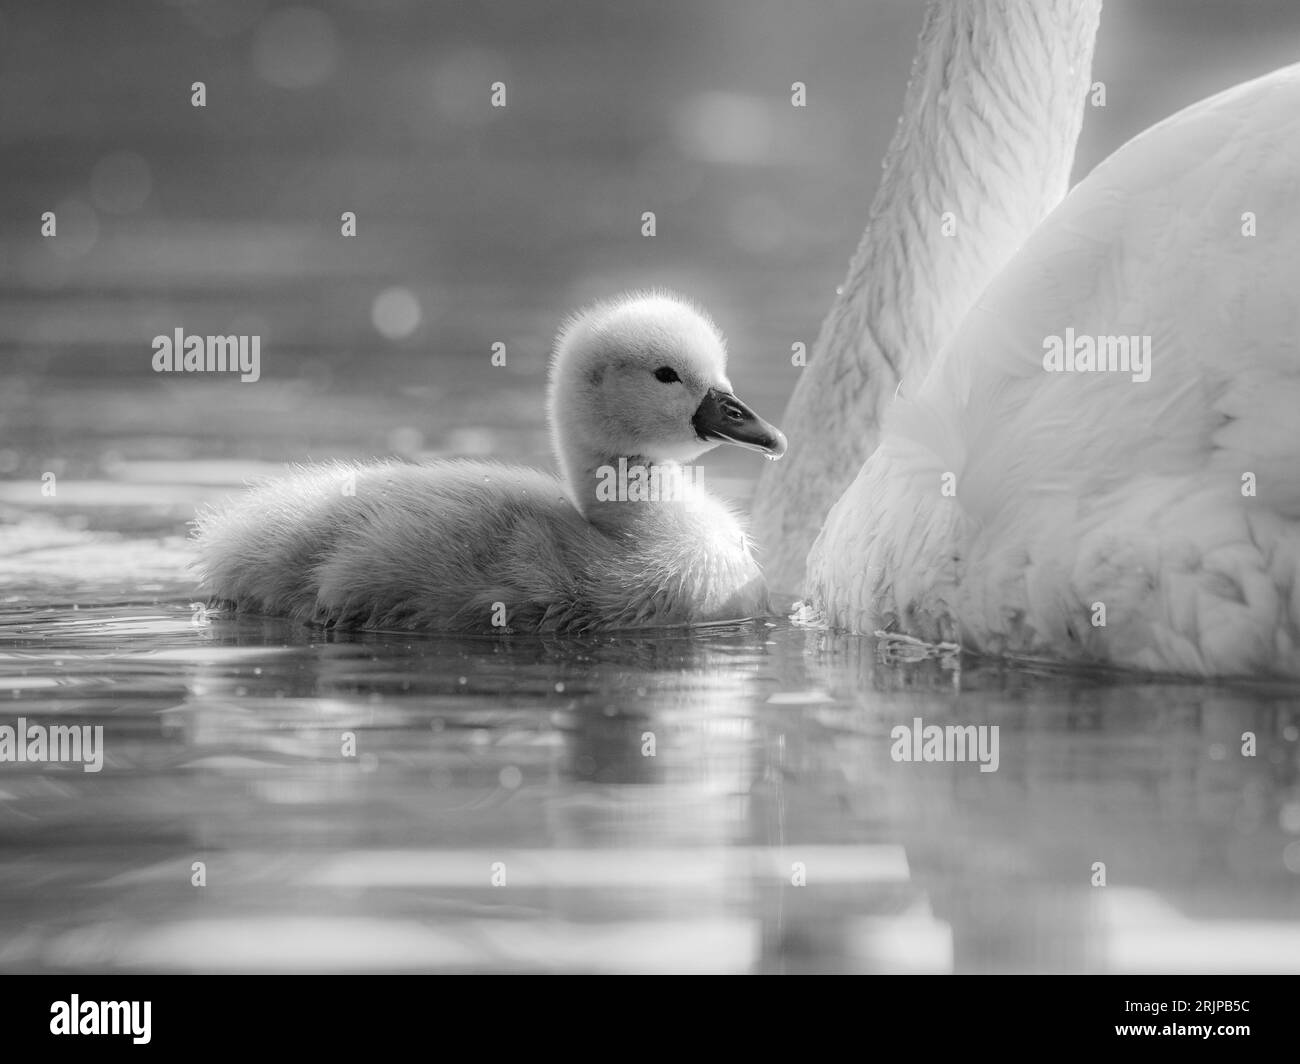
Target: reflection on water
x=351, y=802
x=722, y=801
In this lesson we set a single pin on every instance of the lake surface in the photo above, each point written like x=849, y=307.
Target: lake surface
x=273, y=798
x=716, y=801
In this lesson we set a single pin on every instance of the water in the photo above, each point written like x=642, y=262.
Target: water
x=649, y=801
x=273, y=798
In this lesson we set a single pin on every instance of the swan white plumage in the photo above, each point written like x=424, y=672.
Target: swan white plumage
x=626, y=538
x=1092, y=515
x=982, y=153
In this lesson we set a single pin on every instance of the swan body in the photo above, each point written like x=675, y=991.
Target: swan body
x=1092, y=515
x=637, y=384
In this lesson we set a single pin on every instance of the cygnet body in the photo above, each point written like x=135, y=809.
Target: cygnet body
x=624, y=538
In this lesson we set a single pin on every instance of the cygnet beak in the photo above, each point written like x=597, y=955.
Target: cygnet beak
x=721, y=416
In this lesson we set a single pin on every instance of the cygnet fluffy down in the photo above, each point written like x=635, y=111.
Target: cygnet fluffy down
x=625, y=537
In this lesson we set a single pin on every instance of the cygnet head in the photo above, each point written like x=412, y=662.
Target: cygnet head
x=645, y=376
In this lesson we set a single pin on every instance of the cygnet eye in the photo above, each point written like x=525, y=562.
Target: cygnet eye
x=666, y=375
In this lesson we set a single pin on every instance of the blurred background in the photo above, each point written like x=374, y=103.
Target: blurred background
x=478, y=226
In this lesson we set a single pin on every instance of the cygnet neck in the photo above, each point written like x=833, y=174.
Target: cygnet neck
x=617, y=491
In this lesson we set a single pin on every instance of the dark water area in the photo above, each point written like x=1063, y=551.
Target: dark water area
x=720, y=800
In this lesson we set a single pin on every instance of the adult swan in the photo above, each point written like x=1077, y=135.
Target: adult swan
x=1081, y=432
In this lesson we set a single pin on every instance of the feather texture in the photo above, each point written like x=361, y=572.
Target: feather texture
x=1172, y=503
x=480, y=546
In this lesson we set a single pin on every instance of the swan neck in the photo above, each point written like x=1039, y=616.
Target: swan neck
x=981, y=155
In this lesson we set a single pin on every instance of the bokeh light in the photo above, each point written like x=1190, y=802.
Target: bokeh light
x=396, y=313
